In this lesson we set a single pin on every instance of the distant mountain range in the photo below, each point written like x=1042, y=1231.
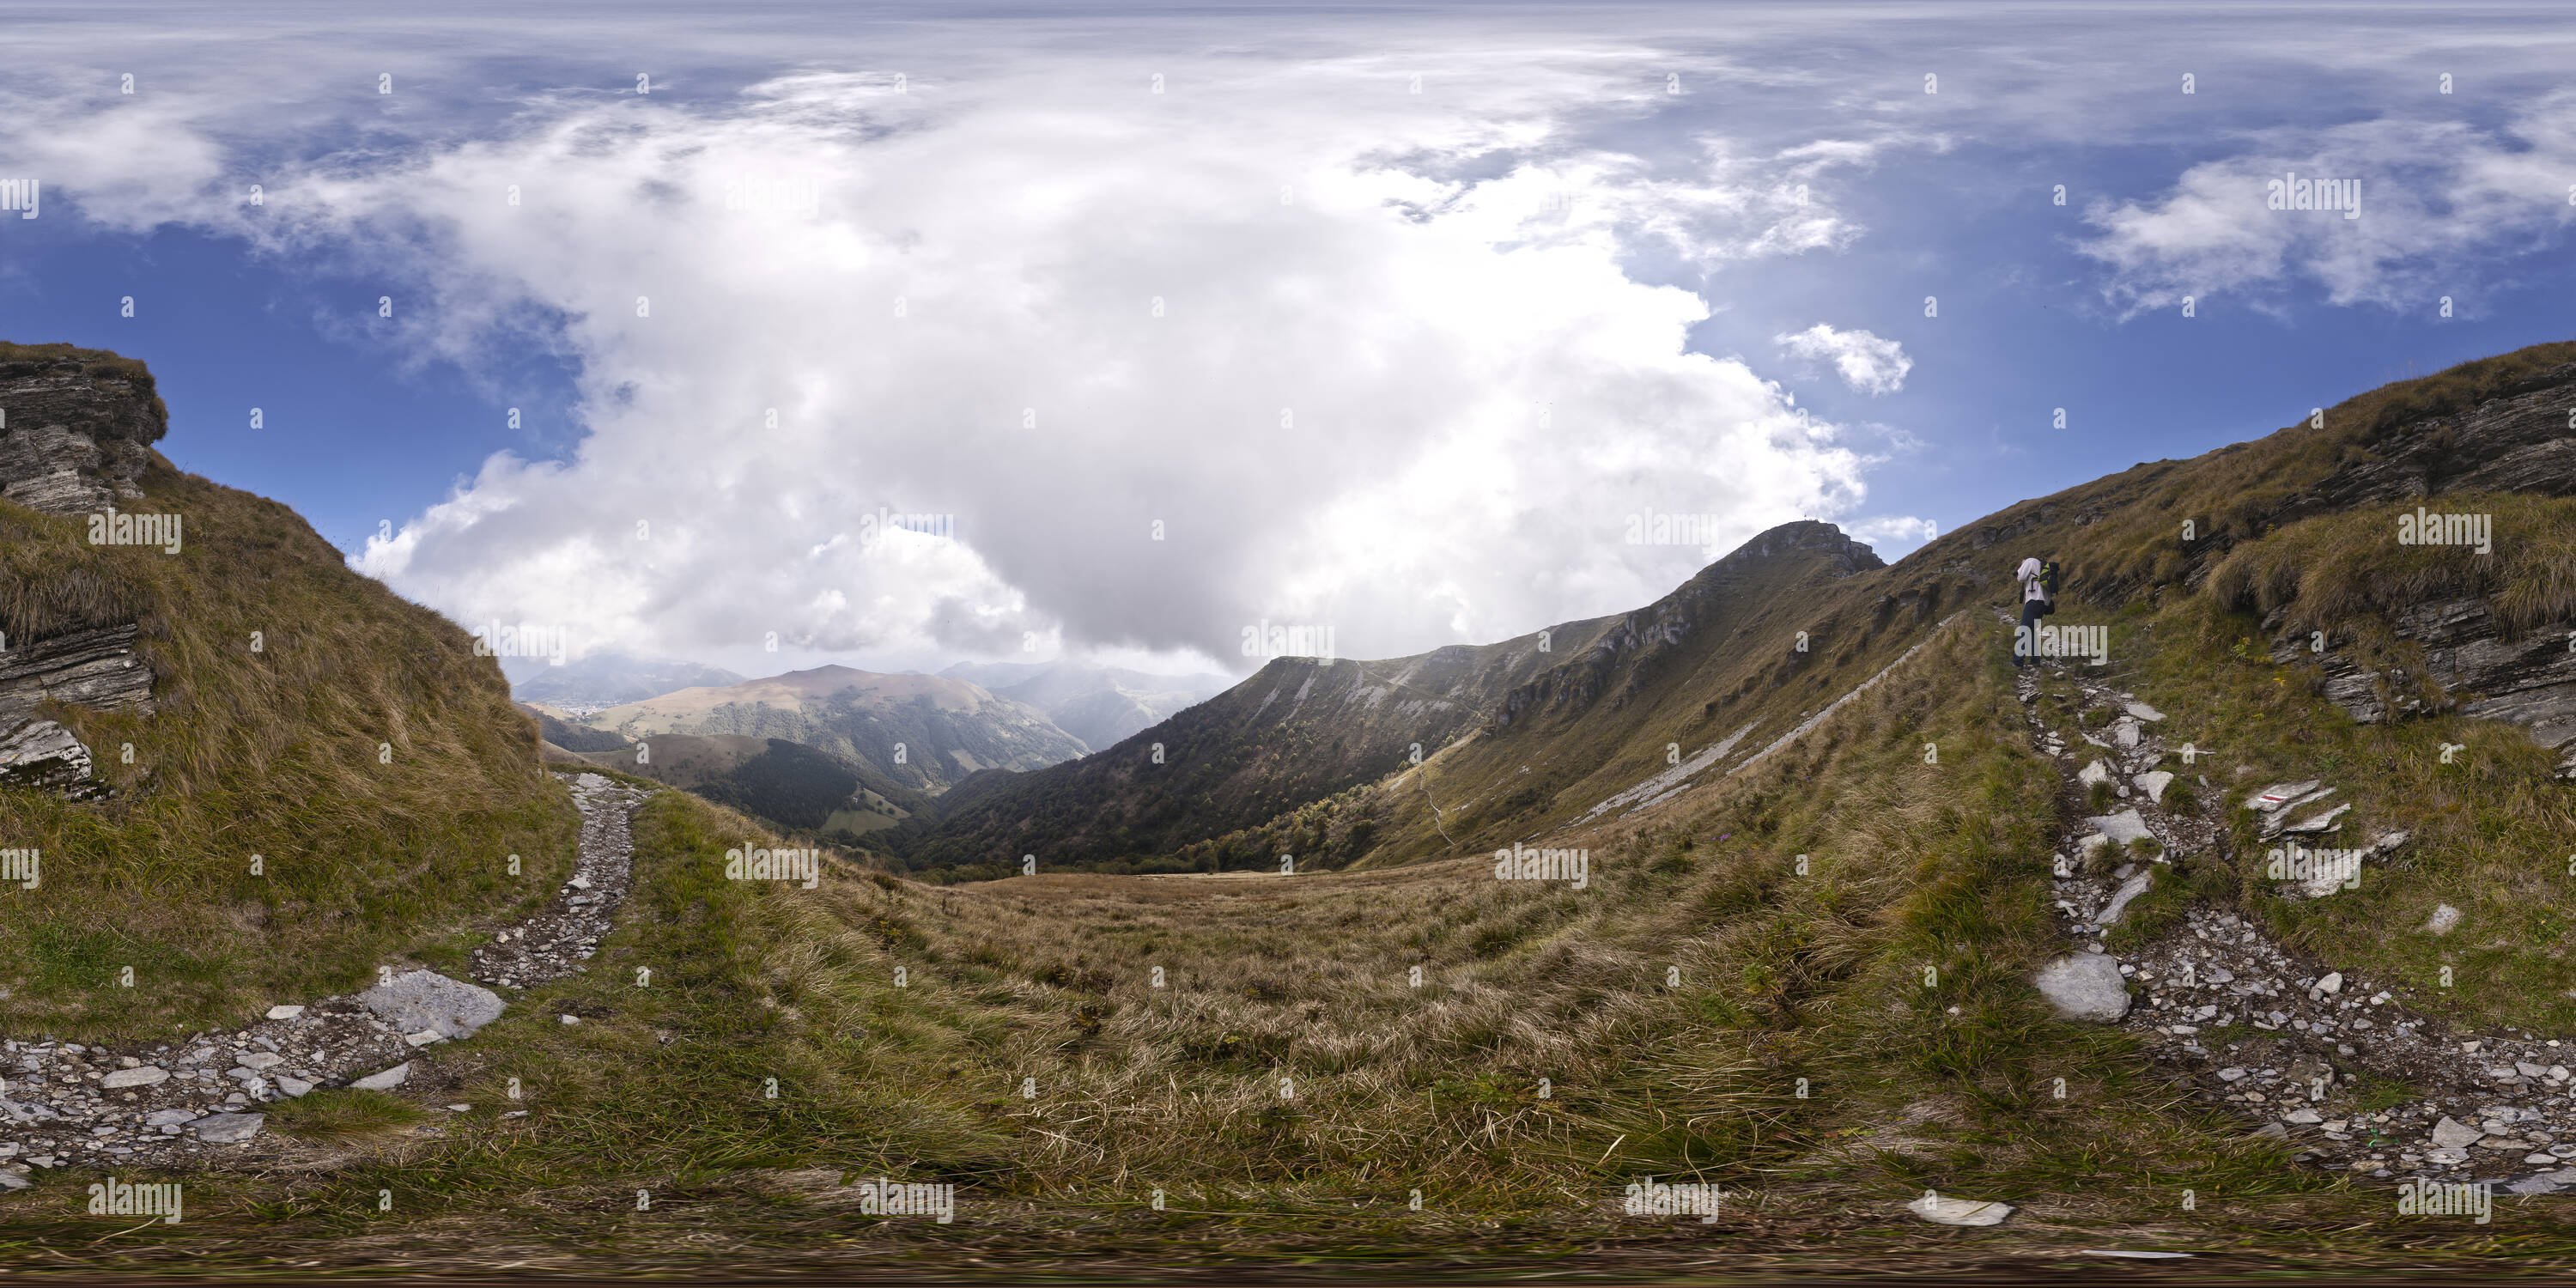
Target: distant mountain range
x=788, y=784
x=1303, y=730
x=605, y=680
x=1100, y=705
x=921, y=732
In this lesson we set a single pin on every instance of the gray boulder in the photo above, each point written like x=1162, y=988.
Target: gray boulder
x=2122, y=827
x=2451, y=1133
x=425, y=999
x=2085, y=986
x=224, y=1129
x=384, y=1079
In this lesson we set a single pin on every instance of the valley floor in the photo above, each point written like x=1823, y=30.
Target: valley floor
x=1809, y=988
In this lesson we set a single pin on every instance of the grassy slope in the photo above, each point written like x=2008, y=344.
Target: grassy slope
x=274, y=753
x=2119, y=538
x=1943, y=1080
x=1134, y=1089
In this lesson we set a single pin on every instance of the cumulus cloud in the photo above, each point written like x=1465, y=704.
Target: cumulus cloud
x=1298, y=347
x=2443, y=206
x=1866, y=362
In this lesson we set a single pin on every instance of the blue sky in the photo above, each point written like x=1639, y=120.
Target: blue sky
x=1447, y=293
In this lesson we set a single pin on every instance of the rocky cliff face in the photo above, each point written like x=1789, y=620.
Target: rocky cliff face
x=79, y=427
x=2515, y=441
x=76, y=431
x=92, y=669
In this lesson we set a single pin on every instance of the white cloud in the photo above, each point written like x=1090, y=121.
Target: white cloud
x=1413, y=405
x=1894, y=534
x=2444, y=206
x=1867, y=363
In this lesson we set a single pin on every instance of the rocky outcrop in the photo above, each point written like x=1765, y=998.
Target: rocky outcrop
x=88, y=668
x=2516, y=441
x=2474, y=668
x=97, y=669
x=76, y=427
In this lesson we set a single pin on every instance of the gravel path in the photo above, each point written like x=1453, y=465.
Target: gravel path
x=65, y=1104
x=2292, y=1044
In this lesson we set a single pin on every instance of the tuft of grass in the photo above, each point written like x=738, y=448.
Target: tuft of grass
x=2344, y=573
x=341, y=1116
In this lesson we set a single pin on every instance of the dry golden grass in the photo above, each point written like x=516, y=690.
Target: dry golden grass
x=363, y=752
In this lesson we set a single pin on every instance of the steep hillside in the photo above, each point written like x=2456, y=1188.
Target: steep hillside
x=1300, y=732
x=243, y=770
x=921, y=732
x=1691, y=689
x=1101, y=705
x=792, y=787
x=1297, y=729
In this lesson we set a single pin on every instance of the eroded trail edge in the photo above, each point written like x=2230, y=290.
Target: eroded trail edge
x=2305, y=1051
x=189, y=1102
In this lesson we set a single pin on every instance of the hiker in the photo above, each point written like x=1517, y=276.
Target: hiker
x=2038, y=578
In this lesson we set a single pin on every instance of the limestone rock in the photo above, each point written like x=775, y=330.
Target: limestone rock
x=2122, y=827
x=146, y=1076
x=225, y=1129
x=2085, y=986
x=45, y=756
x=1940, y=1211
x=2129, y=890
x=82, y=413
x=384, y=1080
x=425, y=999
x=94, y=668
